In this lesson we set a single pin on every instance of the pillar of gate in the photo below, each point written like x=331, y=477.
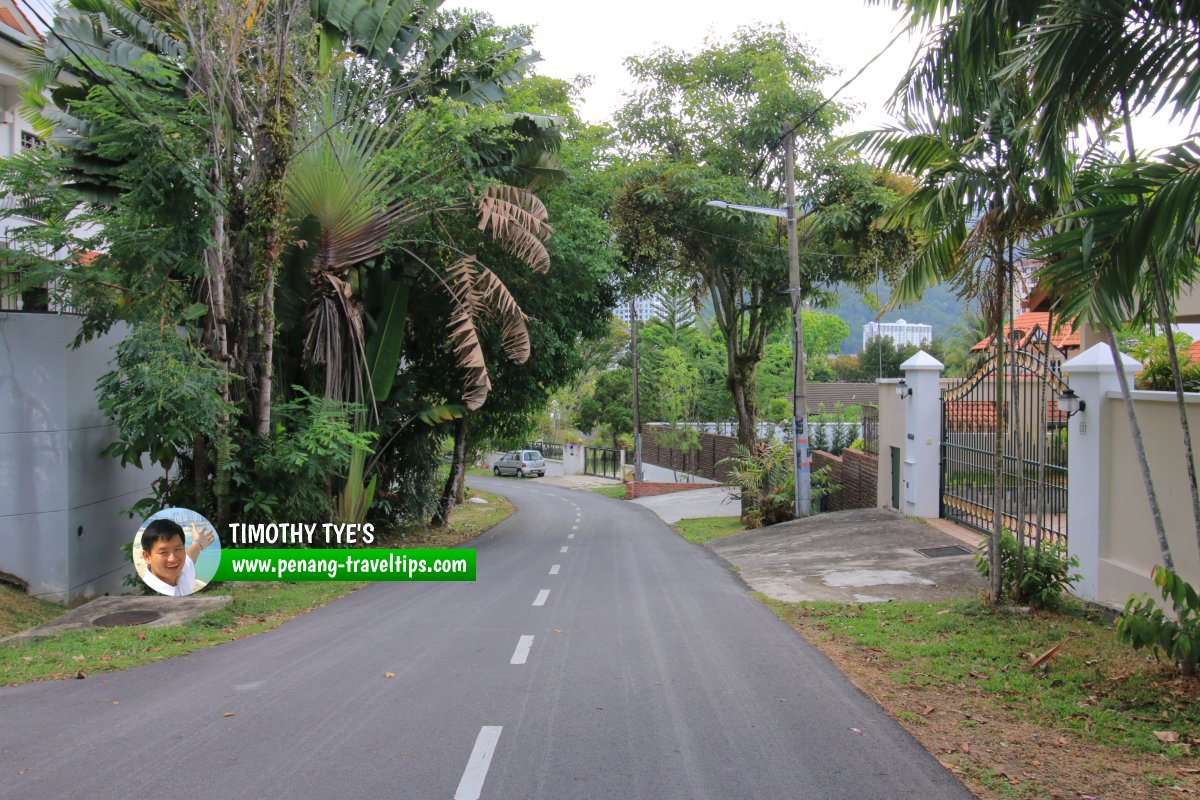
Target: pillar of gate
x=1090, y=374
x=920, y=473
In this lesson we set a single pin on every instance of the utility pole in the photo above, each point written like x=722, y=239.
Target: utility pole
x=801, y=465
x=637, y=427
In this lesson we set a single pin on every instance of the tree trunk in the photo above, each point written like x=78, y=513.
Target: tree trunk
x=1164, y=318
x=454, y=480
x=1000, y=339
x=1164, y=315
x=744, y=406
x=1135, y=433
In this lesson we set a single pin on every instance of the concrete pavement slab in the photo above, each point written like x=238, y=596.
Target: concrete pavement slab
x=692, y=504
x=862, y=556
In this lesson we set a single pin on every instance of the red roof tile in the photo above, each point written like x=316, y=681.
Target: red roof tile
x=1027, y=324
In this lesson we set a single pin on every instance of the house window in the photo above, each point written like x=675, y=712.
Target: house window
x=30, y=140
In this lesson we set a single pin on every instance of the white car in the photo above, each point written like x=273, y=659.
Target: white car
x=520, y=463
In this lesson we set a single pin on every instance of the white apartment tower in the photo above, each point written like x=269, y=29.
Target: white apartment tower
x=900, y=332
x=647, y=309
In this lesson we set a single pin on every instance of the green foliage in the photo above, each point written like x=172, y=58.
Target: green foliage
x=881, y=358
x=1039, y=576
x=1145, y=624
x=163, y=394
x=289, y=475
x=1153, y=352
x=764, y=482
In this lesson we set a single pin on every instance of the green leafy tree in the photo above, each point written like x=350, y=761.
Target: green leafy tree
x=706, y=126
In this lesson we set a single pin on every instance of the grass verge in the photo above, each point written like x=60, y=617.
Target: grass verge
x=19, y=611
x=256, y=607
x=1094, y=718
x=707, y=529
x=615, y=492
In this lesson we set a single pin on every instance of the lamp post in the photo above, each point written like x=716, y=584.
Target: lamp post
x=801, y=462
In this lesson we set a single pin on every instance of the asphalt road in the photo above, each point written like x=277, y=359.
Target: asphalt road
x=650, y=674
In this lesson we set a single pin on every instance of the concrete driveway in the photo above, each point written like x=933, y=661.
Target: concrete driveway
x=863, y=556
x=692, y=504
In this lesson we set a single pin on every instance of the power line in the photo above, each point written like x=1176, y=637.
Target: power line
x=812, y=114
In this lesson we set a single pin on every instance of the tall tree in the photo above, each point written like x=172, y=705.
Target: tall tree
x=707, y=126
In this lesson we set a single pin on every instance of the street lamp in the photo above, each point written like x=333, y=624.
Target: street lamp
x=801, y=462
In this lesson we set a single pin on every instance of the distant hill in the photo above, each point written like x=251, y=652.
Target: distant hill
x=940, y=307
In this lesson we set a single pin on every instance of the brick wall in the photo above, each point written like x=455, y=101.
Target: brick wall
x=703, y=462
x=856, y=472
x=650, y=488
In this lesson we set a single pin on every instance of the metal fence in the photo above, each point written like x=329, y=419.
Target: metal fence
x=870, y=429
x=16, y=294
x=552, y=450
x=602, y=462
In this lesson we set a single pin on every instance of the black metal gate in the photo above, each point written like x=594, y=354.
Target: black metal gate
x=1032, y=496
x=602, y=462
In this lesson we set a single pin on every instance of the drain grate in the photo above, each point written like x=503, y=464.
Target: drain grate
x=944, y=552
x=121, y=619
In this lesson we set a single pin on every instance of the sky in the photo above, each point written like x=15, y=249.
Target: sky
x=581, y=39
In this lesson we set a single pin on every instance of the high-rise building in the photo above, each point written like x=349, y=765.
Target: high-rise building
x=900, y=332
x=647, y=308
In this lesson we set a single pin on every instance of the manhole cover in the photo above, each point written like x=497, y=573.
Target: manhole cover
x=944, y=552
x=122, y=618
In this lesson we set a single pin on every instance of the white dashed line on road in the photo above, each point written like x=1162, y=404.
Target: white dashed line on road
x=471, y=785
x=540, y=600
x=554, y=569
x=574, y=527
x=522, y=651
x=562, y=549
x=570, y=536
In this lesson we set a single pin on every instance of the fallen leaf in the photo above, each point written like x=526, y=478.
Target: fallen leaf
x=141, y=634
x=78, y=658
x=979, y=675
x=947, y=611
x=859, y=732
x=22, y=771
x=558, y=630
x=228, y=714
x=1049, y=654
x=80, y=675
x=928, y=710
x=599, y=708
x=389, y=674
x=1170, y=737
x=116, y=702
x=966, y=747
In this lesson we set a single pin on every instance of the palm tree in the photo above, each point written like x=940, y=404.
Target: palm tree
x=981, y=192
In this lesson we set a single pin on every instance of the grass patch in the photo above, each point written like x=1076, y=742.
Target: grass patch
x=707, y=529
x=256, y=607
x=615, y=492
x=20, y=612
x=1096, y=689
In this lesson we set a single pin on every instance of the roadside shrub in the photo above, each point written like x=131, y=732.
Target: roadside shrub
x=1145, y=624
x=1035, y=575
x=763, y=477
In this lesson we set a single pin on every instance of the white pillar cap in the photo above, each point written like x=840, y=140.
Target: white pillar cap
x=922, y=360
x=1098, y=358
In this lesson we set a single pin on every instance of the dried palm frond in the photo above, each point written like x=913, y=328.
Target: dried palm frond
x=464, y=334
x=494, y=296
x=334, y=335
x=517, y=219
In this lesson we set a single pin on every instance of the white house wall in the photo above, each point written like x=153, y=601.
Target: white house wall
x=60, y=528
